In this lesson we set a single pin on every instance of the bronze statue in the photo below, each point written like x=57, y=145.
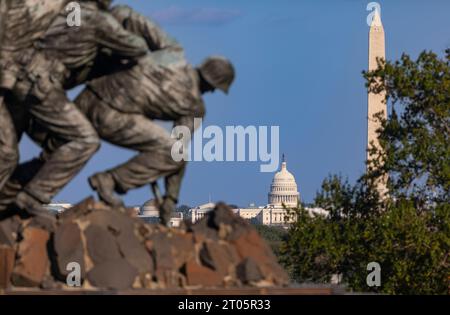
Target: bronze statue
x=122, y=107
x=121, y=101
x=60, y=58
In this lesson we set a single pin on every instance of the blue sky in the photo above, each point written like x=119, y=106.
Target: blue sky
x=299, y=67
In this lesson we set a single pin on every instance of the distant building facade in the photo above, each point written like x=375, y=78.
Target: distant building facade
x=57, y=208
x=150, y=214
x=283, y=189
x=283, y=192
x=199, y=212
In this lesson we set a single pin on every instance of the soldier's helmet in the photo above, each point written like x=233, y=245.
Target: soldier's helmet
x=219, y=72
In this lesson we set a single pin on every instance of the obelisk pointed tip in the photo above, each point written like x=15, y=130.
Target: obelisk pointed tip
x=376, y=21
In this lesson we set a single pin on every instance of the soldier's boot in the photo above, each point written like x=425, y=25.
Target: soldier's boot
x=104, y=185
x=42, y=217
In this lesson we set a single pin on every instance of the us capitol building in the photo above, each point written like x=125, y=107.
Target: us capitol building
x=283, y=190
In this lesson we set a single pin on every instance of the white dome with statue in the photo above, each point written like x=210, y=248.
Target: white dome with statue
x=284, y=188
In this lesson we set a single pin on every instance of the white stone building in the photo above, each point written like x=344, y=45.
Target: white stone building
x=283, y=191
x=251, y=213
x=284, y=188
x=150, y=214
x=199, y=212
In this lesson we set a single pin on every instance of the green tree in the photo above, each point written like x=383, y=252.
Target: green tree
x=416, y=137
x=274, y=236
x=407, y=233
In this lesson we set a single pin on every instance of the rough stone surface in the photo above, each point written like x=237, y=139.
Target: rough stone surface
x=135, y=253
x=183, y=249
x=115, y=274
x=118, y=251
x=198, y=275
x=114, y=221
x=6, y=265
x=83, y=208
x=248, y=271
x=32, y=263
x=160, y=248
x=8, y=231
x=68, y=247
x=219, y=257
x=101, y=244
x=250, y=245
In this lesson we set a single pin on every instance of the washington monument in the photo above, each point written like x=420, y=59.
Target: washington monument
x=376, y=102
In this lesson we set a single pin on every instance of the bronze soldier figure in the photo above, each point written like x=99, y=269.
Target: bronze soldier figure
x=60, y=59
x=8, y=143
x=122, y=107
x=155, y=39
x=161, y=86
x=21, y=24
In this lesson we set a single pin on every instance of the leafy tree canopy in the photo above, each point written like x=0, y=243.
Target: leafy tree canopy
x=407, y=233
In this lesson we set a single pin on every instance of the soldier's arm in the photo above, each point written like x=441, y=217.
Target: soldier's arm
x=116, y=41
x=140, y=25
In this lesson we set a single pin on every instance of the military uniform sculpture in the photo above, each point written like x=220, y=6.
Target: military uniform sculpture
x=122, y=107
x=135, y=73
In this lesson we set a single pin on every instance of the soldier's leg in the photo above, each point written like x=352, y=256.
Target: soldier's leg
x=9, y=152
x=134, y=132
x=173, y=185
x=154, y=144
x=25, y=171
x=21, y=176
x=154, y=161
x=74, y=141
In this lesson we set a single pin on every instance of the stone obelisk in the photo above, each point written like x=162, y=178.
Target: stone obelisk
x=376, y=102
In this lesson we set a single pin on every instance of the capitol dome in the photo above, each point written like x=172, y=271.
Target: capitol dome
x=150, y=209
x=284, y=188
